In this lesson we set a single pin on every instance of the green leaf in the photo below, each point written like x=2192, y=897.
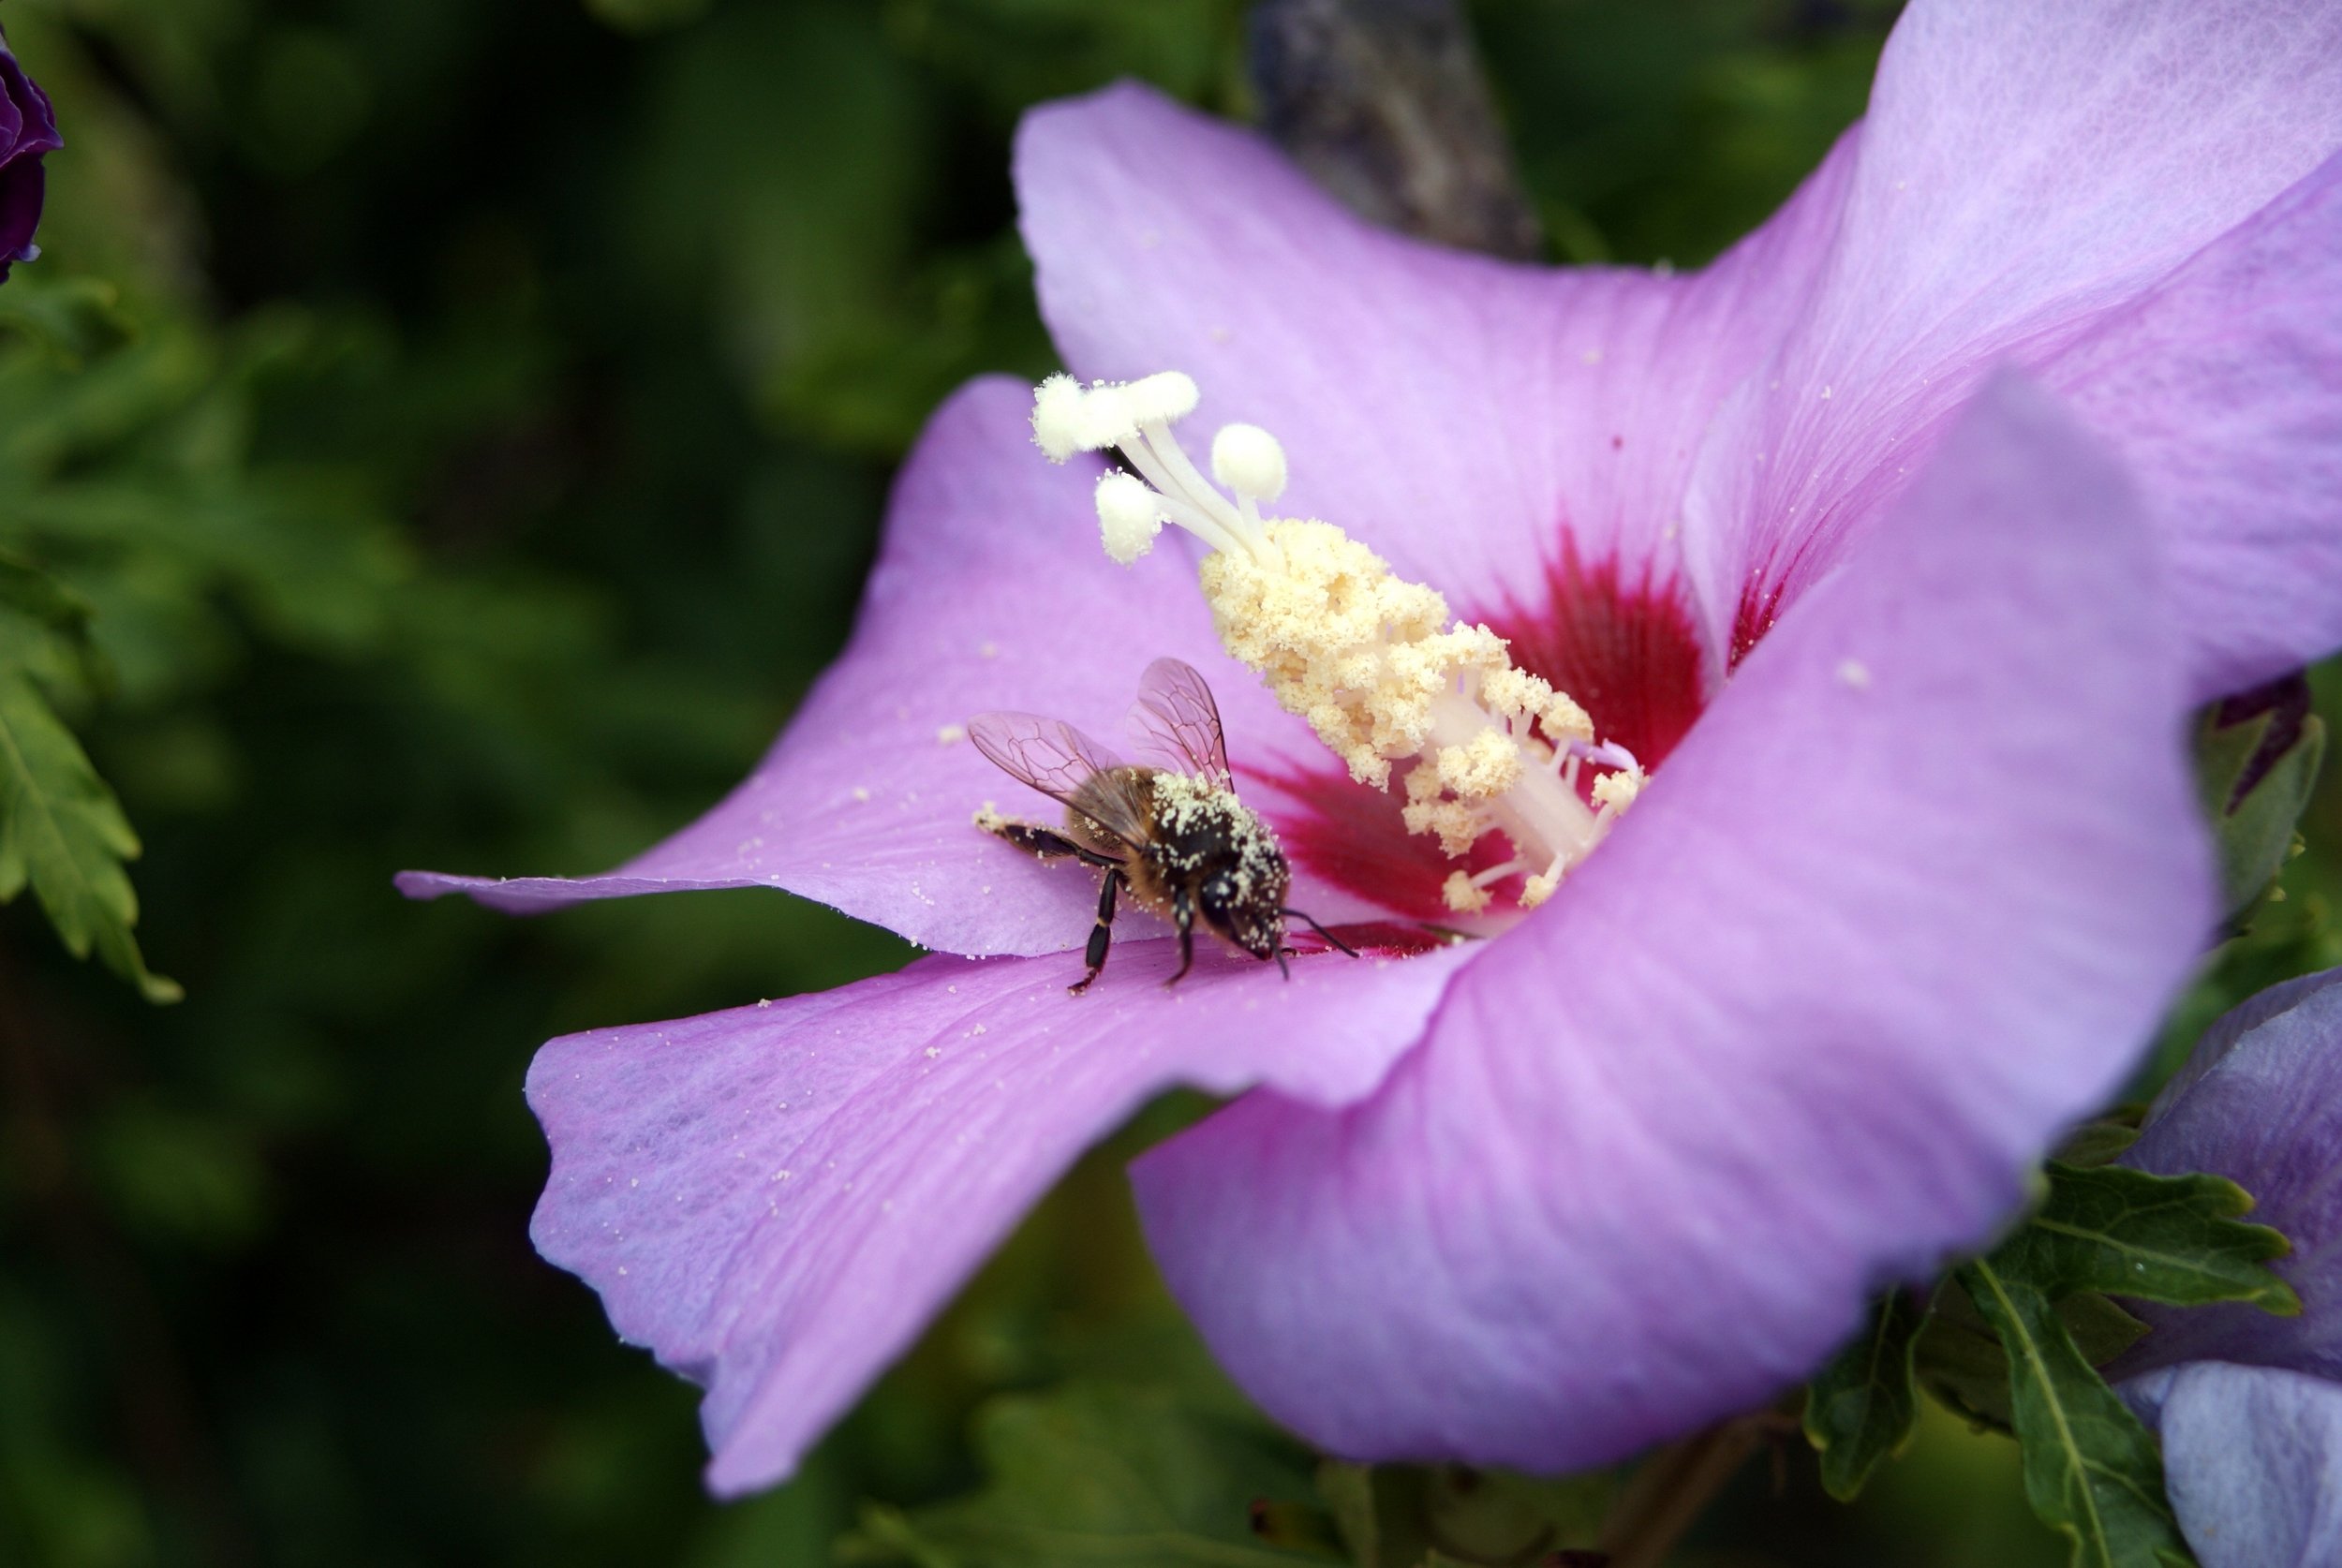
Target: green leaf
x=2101, y=1142
x=73, y=318
x=2099, y=1231
x=1862, y=1409
x=2091, y=1471
x=1960, y=1363
x=2257, y=758
x=40, y=598
x=2174, y=1240
x=1095, y=1474
x=1349, y=1492
x=61, y=831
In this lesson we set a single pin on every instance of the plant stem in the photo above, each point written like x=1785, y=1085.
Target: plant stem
x=1675, y=1485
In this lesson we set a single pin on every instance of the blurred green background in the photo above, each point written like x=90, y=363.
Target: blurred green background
x=469, y=421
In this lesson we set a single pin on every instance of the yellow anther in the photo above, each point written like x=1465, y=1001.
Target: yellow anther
x=1456, y=825
x=1617, y=789
x=1539, y=888
x=1486, y=765
x=1565, y=721
x=1463, y=894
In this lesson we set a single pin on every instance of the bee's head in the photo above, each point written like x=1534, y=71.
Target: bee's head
x=1248, y=912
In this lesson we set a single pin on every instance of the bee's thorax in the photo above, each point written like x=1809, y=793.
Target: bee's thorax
x=1215, y=852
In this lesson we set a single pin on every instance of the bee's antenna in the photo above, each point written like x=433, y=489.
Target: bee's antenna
x=1332, y=940
x=1283, y=968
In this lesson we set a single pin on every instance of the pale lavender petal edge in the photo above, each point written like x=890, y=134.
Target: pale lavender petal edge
x=775, y=1200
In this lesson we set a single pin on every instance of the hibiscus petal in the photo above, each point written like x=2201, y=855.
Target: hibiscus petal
x=1459, y=414
x=2223, y=392
x=990, y=591
x=774, y=1198
x=2263, y=1107
x=2024, y=170
x=1905, y=903
x=2253, y=1461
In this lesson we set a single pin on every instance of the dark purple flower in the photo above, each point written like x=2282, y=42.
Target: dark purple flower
x=2250, y=1406
x=28, y=133
x=1905, y=649
x=2259, y=1102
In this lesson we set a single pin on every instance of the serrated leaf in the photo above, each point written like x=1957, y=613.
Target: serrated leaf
x=1959, y=1361
x=2174, y=1239
x=2091, y=1471
x=63, y=833
x=1861, y=1409
x=1092, y=1474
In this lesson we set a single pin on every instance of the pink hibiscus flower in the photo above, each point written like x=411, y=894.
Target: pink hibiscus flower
x=1903, y=645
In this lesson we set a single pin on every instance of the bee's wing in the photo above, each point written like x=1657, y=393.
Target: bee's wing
x=1175, y=717
x=1063, y=763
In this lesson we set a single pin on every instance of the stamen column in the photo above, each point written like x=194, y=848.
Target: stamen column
x=1370, y=660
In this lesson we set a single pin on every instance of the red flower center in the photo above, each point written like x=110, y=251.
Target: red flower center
x=1617, y=639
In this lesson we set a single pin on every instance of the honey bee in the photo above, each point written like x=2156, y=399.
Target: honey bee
x=1179, y=842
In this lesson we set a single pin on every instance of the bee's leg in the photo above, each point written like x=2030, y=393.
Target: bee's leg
x=1101, y=934
x=1048, y=844
x=1331, y=940
x=1183, y=916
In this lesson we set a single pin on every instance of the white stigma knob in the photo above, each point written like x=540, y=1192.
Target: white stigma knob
x=1068, y=417
x=1163, y=397
x=1129, y=516
x=1057, y=417
x=1248, y=460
